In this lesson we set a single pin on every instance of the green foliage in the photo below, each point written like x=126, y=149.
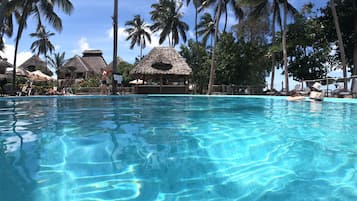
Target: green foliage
x=346, y=12
x=91, y=82
x=240, y=63
x=124, y=69
x=309, y=48
x=199, y=60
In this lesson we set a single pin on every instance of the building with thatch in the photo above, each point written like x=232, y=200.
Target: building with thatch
x=164, y=70
x=35, y=63
x=80, y=68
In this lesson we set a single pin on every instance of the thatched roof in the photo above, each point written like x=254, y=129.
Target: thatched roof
x=35, y=63
x=162, y=61
x=94, y=60
x=91, y=61
x=75, y=64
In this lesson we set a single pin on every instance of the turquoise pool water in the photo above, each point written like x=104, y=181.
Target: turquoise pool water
x=177, y=148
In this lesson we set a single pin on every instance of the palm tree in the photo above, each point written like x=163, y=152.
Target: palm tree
x=258, y=8
x=206, y=28
x=39, y=9
x=197, y=4
x=218, y=12
x=166, y=16
x=42, y=45
x=57, y=60
x=220, y=7
x=340, y=41
x=138, y=33
x=237, y=10
x=288, y=8
x=6, y=21
x=115, y=47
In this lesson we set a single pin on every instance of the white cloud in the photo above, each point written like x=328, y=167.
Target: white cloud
x=83, y=45
x=9, y=52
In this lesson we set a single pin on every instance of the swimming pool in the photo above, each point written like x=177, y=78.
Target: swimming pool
x=177, y=148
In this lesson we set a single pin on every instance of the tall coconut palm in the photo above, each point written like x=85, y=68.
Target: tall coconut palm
x=197, y=4
x=340, y=41
x=42, y=45
x=354, y=6
x=39, y=9
x=218, y=12
x=287, y=8
x=237, y=10
x=166, y=16
x=220, y=7
x=138, y=33
x=206, y=28
x=259, y=7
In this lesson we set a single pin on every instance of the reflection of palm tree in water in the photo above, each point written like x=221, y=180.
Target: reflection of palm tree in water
x=16, y=169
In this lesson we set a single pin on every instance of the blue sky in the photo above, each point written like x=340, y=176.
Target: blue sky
x=90, y=27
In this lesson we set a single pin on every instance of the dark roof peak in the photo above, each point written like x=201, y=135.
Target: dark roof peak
x=90, y=53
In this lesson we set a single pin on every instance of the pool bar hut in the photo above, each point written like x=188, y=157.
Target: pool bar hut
x=163, y=71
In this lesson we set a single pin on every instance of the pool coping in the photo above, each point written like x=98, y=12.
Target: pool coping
x=326, y=99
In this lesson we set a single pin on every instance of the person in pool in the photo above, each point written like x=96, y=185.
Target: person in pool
x=316, y=93
x=295, y=96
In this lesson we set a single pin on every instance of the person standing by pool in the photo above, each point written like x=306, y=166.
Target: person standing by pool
x=316, y=94
x=104, y=82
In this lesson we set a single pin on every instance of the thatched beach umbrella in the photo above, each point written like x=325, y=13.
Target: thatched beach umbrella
x=162, y=61
x=165, y=65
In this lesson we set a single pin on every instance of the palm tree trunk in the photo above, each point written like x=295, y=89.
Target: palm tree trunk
x=18, y=37
x=354, y=45
x=340, y=41
x=141, y=50
x=196, y=22
x=273, y=53
x=225, y=21
x=115, y=47
x=285, y=52
x=213, y=62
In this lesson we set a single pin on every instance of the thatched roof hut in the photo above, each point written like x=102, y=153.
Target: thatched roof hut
x=94, y=60
x=165, y=66
x=35, y=63
x=75, y=64
x=91, y=63
x=162, y=61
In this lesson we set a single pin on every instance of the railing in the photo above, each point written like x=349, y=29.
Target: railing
x=237, y=90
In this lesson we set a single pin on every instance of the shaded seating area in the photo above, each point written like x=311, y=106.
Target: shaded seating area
x=162, y=71
x=336, y=90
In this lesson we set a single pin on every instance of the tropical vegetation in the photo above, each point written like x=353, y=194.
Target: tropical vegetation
x=259, y=37
x=23, y=10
